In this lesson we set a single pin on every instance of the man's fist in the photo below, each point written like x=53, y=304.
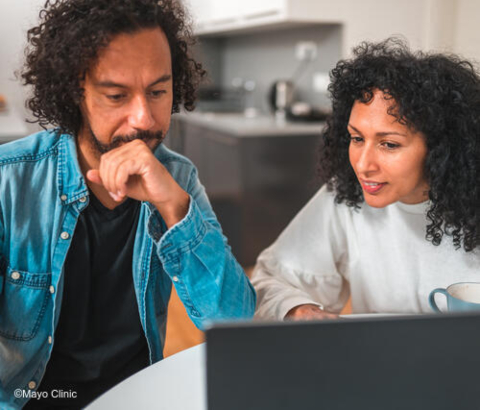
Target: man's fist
x=132, y=170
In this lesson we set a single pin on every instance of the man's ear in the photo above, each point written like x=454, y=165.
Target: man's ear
x=79, y=96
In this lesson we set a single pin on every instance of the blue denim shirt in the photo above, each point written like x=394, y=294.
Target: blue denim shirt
x=42, y=193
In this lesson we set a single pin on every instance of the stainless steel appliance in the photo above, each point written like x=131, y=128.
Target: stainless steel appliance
x=281, y=97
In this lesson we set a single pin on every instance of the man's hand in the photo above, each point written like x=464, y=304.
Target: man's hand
x=308, y=312
x=133, y=171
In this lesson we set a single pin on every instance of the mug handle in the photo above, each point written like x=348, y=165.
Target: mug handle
x=431, y=298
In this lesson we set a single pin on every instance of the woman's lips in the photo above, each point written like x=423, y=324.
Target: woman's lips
x=372, y=187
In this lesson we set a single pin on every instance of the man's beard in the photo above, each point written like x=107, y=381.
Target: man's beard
x=147, y=136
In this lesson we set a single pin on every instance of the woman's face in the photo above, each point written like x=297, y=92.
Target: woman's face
x=387, y=157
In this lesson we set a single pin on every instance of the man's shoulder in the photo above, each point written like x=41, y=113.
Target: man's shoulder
x=31, y=148
x=173, y=160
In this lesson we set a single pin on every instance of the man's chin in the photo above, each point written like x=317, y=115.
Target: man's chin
x=151, y=144
x=152, y=141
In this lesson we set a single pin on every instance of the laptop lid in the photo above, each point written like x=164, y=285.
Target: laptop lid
x=408, y=362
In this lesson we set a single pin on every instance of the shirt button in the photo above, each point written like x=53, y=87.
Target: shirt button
x=52, y=289
x=175, y=278
x=64, y=235
x=32, y=385
x=63, y=197
x=83, y=199
x=49, y=340
x=15, y=275
x=195, y=313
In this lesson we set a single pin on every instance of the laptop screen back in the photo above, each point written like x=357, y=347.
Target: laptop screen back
x=410, y=362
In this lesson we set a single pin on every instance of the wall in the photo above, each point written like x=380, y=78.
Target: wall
x=270, y=55
x=210, y=51
x=16, y=17
x=439, y=24
x=425, y=24
x=467, y=33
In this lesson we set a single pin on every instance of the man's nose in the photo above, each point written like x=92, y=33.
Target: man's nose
x=140, y=116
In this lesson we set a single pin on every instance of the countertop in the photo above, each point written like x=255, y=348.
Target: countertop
x=241, y=126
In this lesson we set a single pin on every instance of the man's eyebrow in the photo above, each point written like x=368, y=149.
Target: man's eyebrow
x=163, y=79
x=112, y=84
x=379, y=133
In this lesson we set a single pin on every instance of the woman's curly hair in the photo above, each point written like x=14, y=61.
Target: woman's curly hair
x=436, y=94
x=71, y=34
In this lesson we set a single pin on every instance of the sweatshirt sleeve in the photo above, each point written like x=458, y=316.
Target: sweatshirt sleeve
x=307, y=263
x=196, y=256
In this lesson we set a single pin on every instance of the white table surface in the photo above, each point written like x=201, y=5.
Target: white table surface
x=175, y=383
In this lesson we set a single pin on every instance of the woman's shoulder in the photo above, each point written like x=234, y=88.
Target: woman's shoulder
x=323, y=212
x=325, y=197
x=326, y=200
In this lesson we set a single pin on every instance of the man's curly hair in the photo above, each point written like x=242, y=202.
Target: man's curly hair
x=69, y=37
x=436, y=94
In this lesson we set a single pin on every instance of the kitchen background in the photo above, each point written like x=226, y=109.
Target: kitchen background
x=255, y=39
x=255, y=134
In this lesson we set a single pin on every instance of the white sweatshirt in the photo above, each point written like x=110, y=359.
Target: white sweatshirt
x=379, y=256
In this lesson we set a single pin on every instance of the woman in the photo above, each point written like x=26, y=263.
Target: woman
x=400, y=214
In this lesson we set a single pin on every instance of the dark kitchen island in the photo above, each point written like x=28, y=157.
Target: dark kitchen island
x=258, y=172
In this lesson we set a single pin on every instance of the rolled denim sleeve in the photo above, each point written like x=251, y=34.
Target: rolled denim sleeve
x=196, y=256
x=2, y=259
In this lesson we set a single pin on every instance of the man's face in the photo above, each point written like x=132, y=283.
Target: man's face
x=128, y=92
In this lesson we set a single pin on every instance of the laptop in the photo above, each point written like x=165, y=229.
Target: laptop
x=396, y=362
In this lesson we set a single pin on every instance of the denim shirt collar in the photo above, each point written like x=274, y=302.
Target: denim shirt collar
x=71, y=181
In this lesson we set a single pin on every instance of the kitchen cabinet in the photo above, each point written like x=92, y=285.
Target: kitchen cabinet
x=251, y=9
x=219, y=13
x=214, y=17
x=256, y=182
x=426, y=24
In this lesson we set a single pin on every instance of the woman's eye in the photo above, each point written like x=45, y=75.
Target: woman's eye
x=390, y=145
x=355, y=139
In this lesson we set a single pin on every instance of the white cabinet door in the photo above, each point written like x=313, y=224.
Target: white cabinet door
x=224, y=11
x=211, y=13
x=229, y=16
x=200, y=10
x=251, y=9
x=207, y=12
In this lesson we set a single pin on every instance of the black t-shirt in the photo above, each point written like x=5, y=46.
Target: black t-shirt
x=99, y=340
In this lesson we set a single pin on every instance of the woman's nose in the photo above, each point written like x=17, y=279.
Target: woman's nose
x=367, y=160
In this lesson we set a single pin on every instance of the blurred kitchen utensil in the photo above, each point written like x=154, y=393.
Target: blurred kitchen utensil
x=281, y=97
x=220, y=99
x=3, y=103
x=302, y=111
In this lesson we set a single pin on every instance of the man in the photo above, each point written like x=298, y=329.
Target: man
x=97, y=218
